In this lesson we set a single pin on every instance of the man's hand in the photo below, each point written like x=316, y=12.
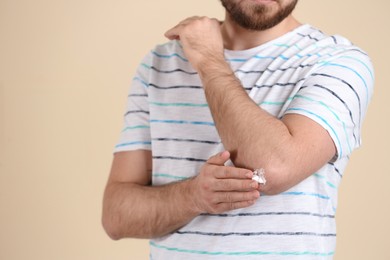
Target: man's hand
x=220, y=188
x=201, y=39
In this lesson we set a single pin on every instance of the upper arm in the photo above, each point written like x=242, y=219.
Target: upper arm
x=336, y=97
x=132, y=167
x=132, y=162
x=315, y=147
x=325, y=116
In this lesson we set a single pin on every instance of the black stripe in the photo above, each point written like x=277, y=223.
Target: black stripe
x=275, y=70
x=175, y=87
x=136, y=111
x=179, y=158
x=279, y=84
x=172, y=71
x=138, y=95
x=336, y=169
x=309, y=36
x=334, y=39
x=256, y=234
x=357, y=50
x=185, y=140
x=268, y=214
x=190, y=87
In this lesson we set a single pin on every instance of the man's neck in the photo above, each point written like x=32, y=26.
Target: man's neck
x=237, y=38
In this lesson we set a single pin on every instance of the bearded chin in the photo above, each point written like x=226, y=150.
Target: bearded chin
x=260, y=17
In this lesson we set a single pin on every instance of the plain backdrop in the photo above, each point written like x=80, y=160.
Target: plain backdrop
x=65, y=69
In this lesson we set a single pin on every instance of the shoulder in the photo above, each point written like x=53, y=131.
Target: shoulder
x=169, y=50
x=328, y=46
x=337, y=53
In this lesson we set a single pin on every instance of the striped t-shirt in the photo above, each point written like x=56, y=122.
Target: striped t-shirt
x=325, y=78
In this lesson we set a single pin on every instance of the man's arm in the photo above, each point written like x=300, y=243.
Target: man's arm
x=289, y=149
x=133, y=208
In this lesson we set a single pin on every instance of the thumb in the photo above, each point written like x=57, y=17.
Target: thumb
x=219, y=159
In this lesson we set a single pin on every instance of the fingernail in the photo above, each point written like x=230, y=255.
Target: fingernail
x=249, y=174
x=223, y=153
x=253, y=184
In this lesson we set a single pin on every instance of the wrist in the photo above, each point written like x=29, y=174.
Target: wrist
x=190, y=198
x=215, y=69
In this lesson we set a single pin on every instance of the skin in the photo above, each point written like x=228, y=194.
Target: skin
x=290, y=149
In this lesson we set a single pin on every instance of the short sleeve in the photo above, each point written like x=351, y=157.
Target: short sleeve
x=136, y=127
x=336, y=96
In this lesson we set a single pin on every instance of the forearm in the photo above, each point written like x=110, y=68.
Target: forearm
x=133, y=210
x=255, y=138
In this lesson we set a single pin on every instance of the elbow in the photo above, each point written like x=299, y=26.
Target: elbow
x=277, y=180
x=111, y=230
x=283, y=173
x=117, y=231
x=278, y=171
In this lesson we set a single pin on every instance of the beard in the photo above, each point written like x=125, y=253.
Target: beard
x=258, y=17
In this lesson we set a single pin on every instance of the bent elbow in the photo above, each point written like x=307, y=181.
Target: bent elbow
x=110, y=228
x=278, y=179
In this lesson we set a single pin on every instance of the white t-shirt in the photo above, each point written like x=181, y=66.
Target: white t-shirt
x=325, y=78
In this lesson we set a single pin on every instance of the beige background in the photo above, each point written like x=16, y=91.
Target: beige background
x=65, y=68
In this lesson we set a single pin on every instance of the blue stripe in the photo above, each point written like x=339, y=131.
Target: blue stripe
x=169, y=176
x=133, y=143
x=323, y=120
x=241, y=253
x=168, y=56
x=300, y=193
x=330, y=184
x=236, y=60
x=146, y=66
x=181, y=122
x=178, y=104
x=135, y=127
x=145, y=84
x=288, y=46
x=361, y=62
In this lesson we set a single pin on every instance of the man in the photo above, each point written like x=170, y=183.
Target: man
x=258, y=91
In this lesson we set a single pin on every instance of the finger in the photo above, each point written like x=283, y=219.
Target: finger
x=219, y=159
x=233, y=197
x=227, y=172
x=223, y=207
x=174, y=32
x=235, y=185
